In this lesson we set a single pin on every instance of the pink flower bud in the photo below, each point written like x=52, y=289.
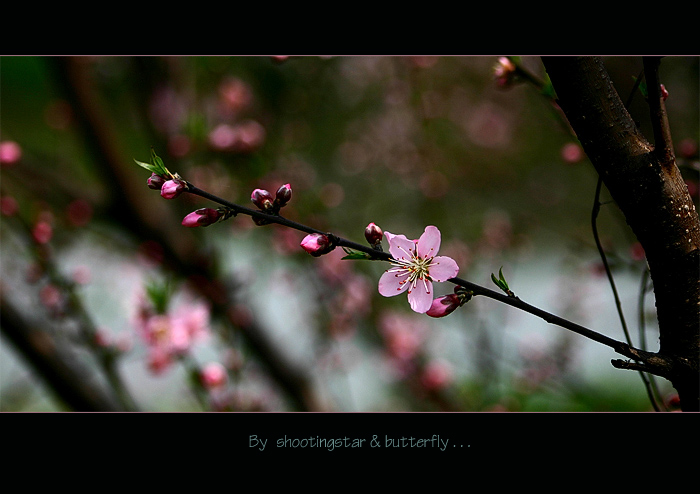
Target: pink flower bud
x=504, y=72
x=201, y=217
x=213, y=375
x=42, y=232
x=373, y=234
x=10, y=152
x=155, y=182
x=316, y=244
x=664, y=92
x=443, y=306
x=8, y=206
x=284, y=194
x=172, y=188
x=262, y=199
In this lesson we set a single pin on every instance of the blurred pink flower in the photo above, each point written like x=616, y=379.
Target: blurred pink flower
x=436, y=375
x=79, y=212
x=10, y=152
x=42, y=232
x=172, y=334
x=51, y=296
x=235, y=95
x=403, y=335
x=416, y=266
x=571, y=152
x=8, y=206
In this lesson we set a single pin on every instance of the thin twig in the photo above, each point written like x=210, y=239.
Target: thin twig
x=663, y=144
x=622, y=348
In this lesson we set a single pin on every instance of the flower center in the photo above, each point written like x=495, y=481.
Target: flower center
x=416, y=267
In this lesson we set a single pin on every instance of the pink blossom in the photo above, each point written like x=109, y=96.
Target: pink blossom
x=158, y=360
x=416, y=267
x=172, y=334
x=172, y=188
x=201, y=217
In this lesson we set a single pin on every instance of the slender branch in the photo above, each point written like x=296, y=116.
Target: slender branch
x=604, y=258
x=618, y=346
x=663, y=144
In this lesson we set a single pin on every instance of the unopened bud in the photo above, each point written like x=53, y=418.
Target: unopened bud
x=201, y=217
x=284, y=194
x=443, y=306
x=262, y=199
x=316, y=244
x=504, y=72
x=155, y=182
x=213, y=375
x=373, y=234
x=172, y=188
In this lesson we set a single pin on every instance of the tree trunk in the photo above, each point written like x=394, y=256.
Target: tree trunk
x=647, y=186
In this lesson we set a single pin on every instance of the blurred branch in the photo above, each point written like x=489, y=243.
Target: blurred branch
x=55, y=364
x=148, y=220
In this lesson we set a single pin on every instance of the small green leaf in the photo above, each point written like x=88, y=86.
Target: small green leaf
x=159, y=293
x=156, y=166
x=351, y=254
x=148, y=167
x=501, y=281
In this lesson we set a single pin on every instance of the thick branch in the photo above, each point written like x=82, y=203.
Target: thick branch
x=649, y=190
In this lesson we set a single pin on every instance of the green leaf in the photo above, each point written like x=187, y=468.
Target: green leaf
x=501, y=282
x=148, y=167
x=156, y=166
x=159, y=294
x=500, y=277
x=351, y=255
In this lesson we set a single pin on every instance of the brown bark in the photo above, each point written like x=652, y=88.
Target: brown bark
x=647, y=186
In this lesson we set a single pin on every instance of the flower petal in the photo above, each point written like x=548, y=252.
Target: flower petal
x=429, y=242
x=399, y=246
x=392, y=283
x=421, y=296
x=443, y=268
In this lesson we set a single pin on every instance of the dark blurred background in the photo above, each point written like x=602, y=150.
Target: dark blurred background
x=97, y=270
